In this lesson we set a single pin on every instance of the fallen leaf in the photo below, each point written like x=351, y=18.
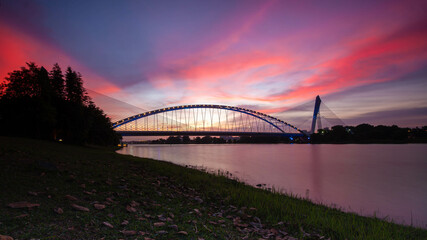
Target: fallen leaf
x=134, y=204
x=32, y=193
x=125, y=222
x=174, y=227
x=183, y=233
x=22, y=215
x=108, y=224
x=4, y=237
x=23, y=204
x=129, y=232
x=80, y=208
x=58, y=210
x=130, y=209
x=99, y=206
x=159, y=224
x=71, y=198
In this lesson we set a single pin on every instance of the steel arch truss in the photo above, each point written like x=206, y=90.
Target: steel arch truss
x=276, y=125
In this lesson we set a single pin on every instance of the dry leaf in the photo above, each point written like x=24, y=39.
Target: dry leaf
x=23, y=204
x=80, y=208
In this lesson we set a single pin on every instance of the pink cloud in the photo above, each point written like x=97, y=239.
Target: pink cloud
x=403, y=52
x=17, y=48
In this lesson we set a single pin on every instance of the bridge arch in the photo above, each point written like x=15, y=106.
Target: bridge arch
x=280, y=127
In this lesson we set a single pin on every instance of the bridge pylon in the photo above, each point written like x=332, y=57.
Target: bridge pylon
x=315, y=114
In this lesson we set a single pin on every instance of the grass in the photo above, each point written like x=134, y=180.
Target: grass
x=201, y=205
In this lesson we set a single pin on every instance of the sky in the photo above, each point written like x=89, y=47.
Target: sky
x=366, y=59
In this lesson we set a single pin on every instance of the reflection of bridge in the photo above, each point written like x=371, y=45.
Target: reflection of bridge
x=203, y=120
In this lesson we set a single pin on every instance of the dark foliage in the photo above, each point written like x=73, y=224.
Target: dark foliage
x=365, y=133
x=40, y=104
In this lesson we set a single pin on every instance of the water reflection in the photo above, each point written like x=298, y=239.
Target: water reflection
x=387, y=179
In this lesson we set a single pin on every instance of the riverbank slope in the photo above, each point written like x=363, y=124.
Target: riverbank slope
x=52, y=190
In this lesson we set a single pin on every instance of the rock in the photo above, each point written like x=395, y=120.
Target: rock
x=130, y=209
x=159, y=224
x=4, y=237
x=99, y=206
x=80, y=208
x=71, y=198
x=58, y=210
x=23, y=204
x=108, y=224
x=183, y=233
x=129, y=232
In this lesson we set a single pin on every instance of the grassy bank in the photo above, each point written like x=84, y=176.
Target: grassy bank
x=129, y=197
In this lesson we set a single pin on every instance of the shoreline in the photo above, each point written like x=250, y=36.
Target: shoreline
x=277, y=190
x=25, y=168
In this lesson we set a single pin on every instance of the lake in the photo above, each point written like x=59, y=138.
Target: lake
x=368, y=179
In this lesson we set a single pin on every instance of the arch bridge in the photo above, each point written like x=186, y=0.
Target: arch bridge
x=203, y=120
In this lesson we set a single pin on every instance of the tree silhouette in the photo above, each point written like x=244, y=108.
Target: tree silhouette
x=36, y=103
x=57, y=81
x=75, y=91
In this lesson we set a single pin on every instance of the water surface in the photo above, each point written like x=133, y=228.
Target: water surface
x=386, y=180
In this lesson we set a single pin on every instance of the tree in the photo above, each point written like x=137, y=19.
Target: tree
x=57, y=82
x=75, y=91
x=22, y=83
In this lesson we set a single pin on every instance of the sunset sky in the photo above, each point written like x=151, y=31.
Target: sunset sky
x=366, y=59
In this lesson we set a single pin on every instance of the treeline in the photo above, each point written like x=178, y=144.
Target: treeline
x=52, y=105
x=221, y=140
x=188, y=140
x=365, y=133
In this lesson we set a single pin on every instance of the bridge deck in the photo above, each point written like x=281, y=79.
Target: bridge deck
x=206, y=133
